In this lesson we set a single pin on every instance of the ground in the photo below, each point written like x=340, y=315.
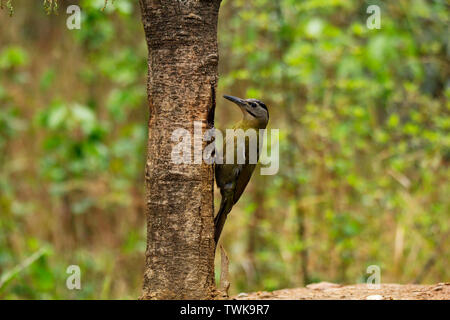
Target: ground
x=327, y=291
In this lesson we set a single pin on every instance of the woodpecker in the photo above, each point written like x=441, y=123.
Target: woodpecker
x=233, y=178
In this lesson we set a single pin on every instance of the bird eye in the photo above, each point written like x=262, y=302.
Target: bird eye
x=253, y=104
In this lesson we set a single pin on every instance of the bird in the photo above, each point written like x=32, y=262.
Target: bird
x=232, y=178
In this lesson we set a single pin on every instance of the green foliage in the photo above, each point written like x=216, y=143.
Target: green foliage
x=364, y=145
x=8, y=5
x=13, y=57
x=51, y=6
x=364, y=141
x=72, y=129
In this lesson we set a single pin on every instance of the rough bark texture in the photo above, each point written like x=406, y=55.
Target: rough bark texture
x=183, y=58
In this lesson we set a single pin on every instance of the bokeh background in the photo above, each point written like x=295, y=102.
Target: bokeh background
x=364, y=147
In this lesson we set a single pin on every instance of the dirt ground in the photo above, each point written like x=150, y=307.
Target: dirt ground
x=331, y=291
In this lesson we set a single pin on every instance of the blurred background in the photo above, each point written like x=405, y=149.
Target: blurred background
x=364, y=145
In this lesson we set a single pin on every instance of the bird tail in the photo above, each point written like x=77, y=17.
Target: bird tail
x=225, y=207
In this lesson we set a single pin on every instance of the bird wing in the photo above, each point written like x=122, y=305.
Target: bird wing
x=239, y=174
x=243, y=179
x=226, y=173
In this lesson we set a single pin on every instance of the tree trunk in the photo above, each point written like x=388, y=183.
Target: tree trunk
x=183, y=58
x=304, y=256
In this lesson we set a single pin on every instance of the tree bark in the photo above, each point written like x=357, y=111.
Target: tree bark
x=183, y=59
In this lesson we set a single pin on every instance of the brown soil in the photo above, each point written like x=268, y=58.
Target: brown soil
x=331, y=291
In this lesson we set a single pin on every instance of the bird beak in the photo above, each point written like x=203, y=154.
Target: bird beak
x=240, y=102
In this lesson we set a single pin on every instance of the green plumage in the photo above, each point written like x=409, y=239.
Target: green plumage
x=232, y=179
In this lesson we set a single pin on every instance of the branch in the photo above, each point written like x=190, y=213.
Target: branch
x=25, y=264
x=224, y=264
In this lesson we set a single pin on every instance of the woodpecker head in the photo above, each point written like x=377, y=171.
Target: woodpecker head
x=252, y=109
